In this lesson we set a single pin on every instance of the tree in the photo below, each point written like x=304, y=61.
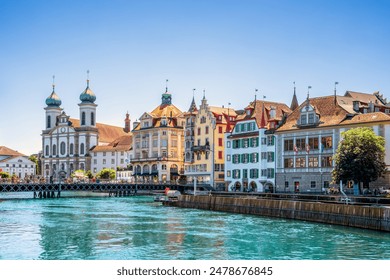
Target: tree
x=359, y=157
x=4, y=174
x=89, y=174
x=106, y=173
x=34, y=159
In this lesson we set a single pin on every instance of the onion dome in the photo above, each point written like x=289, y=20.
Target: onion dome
x=53, y=100
x=87, y=96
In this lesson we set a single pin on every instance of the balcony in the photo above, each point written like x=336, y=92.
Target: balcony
x=203, y=148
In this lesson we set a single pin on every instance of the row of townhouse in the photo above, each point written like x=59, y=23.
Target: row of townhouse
x=267, y=146
x=291, y=149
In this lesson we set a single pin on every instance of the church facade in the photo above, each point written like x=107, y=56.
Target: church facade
x=67, y=142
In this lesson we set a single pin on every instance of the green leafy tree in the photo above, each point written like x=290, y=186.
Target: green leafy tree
x=34, y=159
x=4, y=174
x=106, y=173
x=359, y=157
x=89, y=174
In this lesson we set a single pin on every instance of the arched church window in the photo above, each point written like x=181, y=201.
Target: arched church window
x=54, y=152
x=82, y=149
x=47, y=150
x=71, y=149
x=48, y=122
x=92, y=118
x=62, y=148
x=83, y=118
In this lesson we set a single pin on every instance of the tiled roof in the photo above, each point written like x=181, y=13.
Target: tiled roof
x=330, y=113
x=5, y=151
x=107, y=133
x=363, y=97
x=122, y=143
x=367, y=118
x=280, y=108
x=333, y=113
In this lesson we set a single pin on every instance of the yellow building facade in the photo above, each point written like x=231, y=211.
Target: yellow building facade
x=208, y=164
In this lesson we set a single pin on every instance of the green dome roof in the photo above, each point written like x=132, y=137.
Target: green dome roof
x=87, y=96
x=53, y=100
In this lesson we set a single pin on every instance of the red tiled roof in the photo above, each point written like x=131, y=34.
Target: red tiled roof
x=5, y=151
x=122, y=143
x=107, y=133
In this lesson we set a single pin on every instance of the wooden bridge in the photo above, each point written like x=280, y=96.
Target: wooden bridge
x=47, y=190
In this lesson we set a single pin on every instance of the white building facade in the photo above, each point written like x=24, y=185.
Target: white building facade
x=15, y=163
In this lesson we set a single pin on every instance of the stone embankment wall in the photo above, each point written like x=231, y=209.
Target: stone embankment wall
x=368, y=217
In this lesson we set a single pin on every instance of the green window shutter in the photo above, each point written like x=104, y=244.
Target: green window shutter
x=257, y=157
x=257, y=141
x=273, y=156
x=250, y=157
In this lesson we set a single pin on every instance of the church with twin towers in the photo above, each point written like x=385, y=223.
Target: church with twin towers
x=68, y=144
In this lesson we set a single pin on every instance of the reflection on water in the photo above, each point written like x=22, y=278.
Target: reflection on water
x=138, y=228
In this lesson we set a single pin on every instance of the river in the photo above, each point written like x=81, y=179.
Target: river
x=126, y=228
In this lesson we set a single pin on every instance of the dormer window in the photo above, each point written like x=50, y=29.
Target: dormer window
x=308, y=116
x=248, y=112
x=146, y=124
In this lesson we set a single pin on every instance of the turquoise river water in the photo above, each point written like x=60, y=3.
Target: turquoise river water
x=128, y=228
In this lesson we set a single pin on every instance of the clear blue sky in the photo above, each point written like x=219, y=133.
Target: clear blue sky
x=228, y=48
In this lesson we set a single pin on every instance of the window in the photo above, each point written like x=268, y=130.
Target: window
x=95, y=161
x=289, y=145
x=270, y=173
x=47, y=150
x=228, y=158
x=203, y=119
x=288, y=163
x=82, y=148
x=83, y=118
x=220, y=142
x=303, y=119
x=198, y=130
x=220, y=129
x=236, y=144
x=326, y=142
x=112, y=161
x=228, y=144
x=62, y=148
x=155, y=142
x=245, y=143
x=311, y=118
x=198, y=156
x=326, y=184
x=206, y=155
x=326, y=161
x=270, y=156
x=48, y=122
x=263, y=155
x=164, y=143
x=255, y=157
x=113, y=153
x=104, y=161
x=254, y=173
x=312, y=184
x=313, y=161
x=122, y=153
x=71, y=147
x=236, y=158
x=54, y=152
x=245, y=158
x=163, y=167
x=236, y=173
x=286, y=184
x=245, y=173
x=92, y=118
x=300, y=143
x=270, y=140
x=237, y=128
x=228, y=173
x=220, y=156
x=300, y=162
x=207, y=130
x=263, y=172
x=254, y=142
x=313, y=143
x=263, y=141
x=104, y=154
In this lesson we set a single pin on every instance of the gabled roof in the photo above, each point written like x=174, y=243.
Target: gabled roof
x=281, y=109
x=107, y=133
x=367, y=118
x=5, y=151
x=329, y=111
x=123, y=143
x=364, y=97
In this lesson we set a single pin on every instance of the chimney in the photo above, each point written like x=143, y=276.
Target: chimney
x=127, y=123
